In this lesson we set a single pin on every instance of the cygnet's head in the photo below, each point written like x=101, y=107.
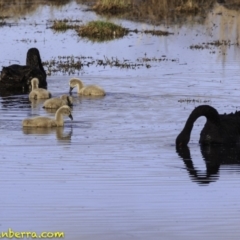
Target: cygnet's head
x=66, y=110
x=75, y=82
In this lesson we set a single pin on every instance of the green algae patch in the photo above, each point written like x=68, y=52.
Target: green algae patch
x=101, y=31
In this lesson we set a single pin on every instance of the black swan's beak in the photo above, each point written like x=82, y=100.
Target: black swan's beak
x=70, y=116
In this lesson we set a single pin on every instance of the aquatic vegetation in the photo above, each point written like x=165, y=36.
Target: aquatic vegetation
x=154, y=59
x=64, y=64
x=153, y=32
x=112, y=6
x=153, y=11
x=157, y=32
x=22, y=7
x=101, y=31
x=189, y=6
x=63, y=25
x=74, y=64
x=60, y=26
x=188, y=100
x=209, y=45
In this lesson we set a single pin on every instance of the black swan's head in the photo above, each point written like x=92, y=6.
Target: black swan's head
x=182, y=139
x=33, y=58
x=34, y=61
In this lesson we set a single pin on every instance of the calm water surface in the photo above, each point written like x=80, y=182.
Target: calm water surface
x=114, y=172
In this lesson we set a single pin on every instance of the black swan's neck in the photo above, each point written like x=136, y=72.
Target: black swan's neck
x=204, y=110
x=34, y=59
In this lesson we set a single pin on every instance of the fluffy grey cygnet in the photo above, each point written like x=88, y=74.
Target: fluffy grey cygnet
x=36, y=92
x=90, y=90
x=47, y=122
x=55, y=103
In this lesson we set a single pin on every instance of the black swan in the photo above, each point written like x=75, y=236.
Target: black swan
x=17, y=78
x=218, y=129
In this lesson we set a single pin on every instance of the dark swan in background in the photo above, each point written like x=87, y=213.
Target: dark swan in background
x=17, y=78
x=218, y=129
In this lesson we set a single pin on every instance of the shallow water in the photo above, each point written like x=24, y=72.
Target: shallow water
x=114, y=172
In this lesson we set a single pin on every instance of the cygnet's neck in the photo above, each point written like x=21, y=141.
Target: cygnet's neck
x=79, y=86
x=34, y=85
x=59, y=118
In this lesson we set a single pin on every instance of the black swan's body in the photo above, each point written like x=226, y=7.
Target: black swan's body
x=218, y=129
x=18, y=77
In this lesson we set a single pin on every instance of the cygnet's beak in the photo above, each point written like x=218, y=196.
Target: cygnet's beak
x=70, y=89
x=70, y=116
x=69, y=102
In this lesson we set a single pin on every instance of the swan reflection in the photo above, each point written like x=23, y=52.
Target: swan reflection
x=16, y=101
x=59, y=131
x=36, y=103
x=214, y=156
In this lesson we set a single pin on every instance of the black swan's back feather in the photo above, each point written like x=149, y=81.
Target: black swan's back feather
x=218, y=129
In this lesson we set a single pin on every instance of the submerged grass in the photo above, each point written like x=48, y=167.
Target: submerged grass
x=217, y=43
x=157, y=32
x=193, y=100
x=75, y=64
x=101, y=31
x=59, y=26
x=63, y=25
